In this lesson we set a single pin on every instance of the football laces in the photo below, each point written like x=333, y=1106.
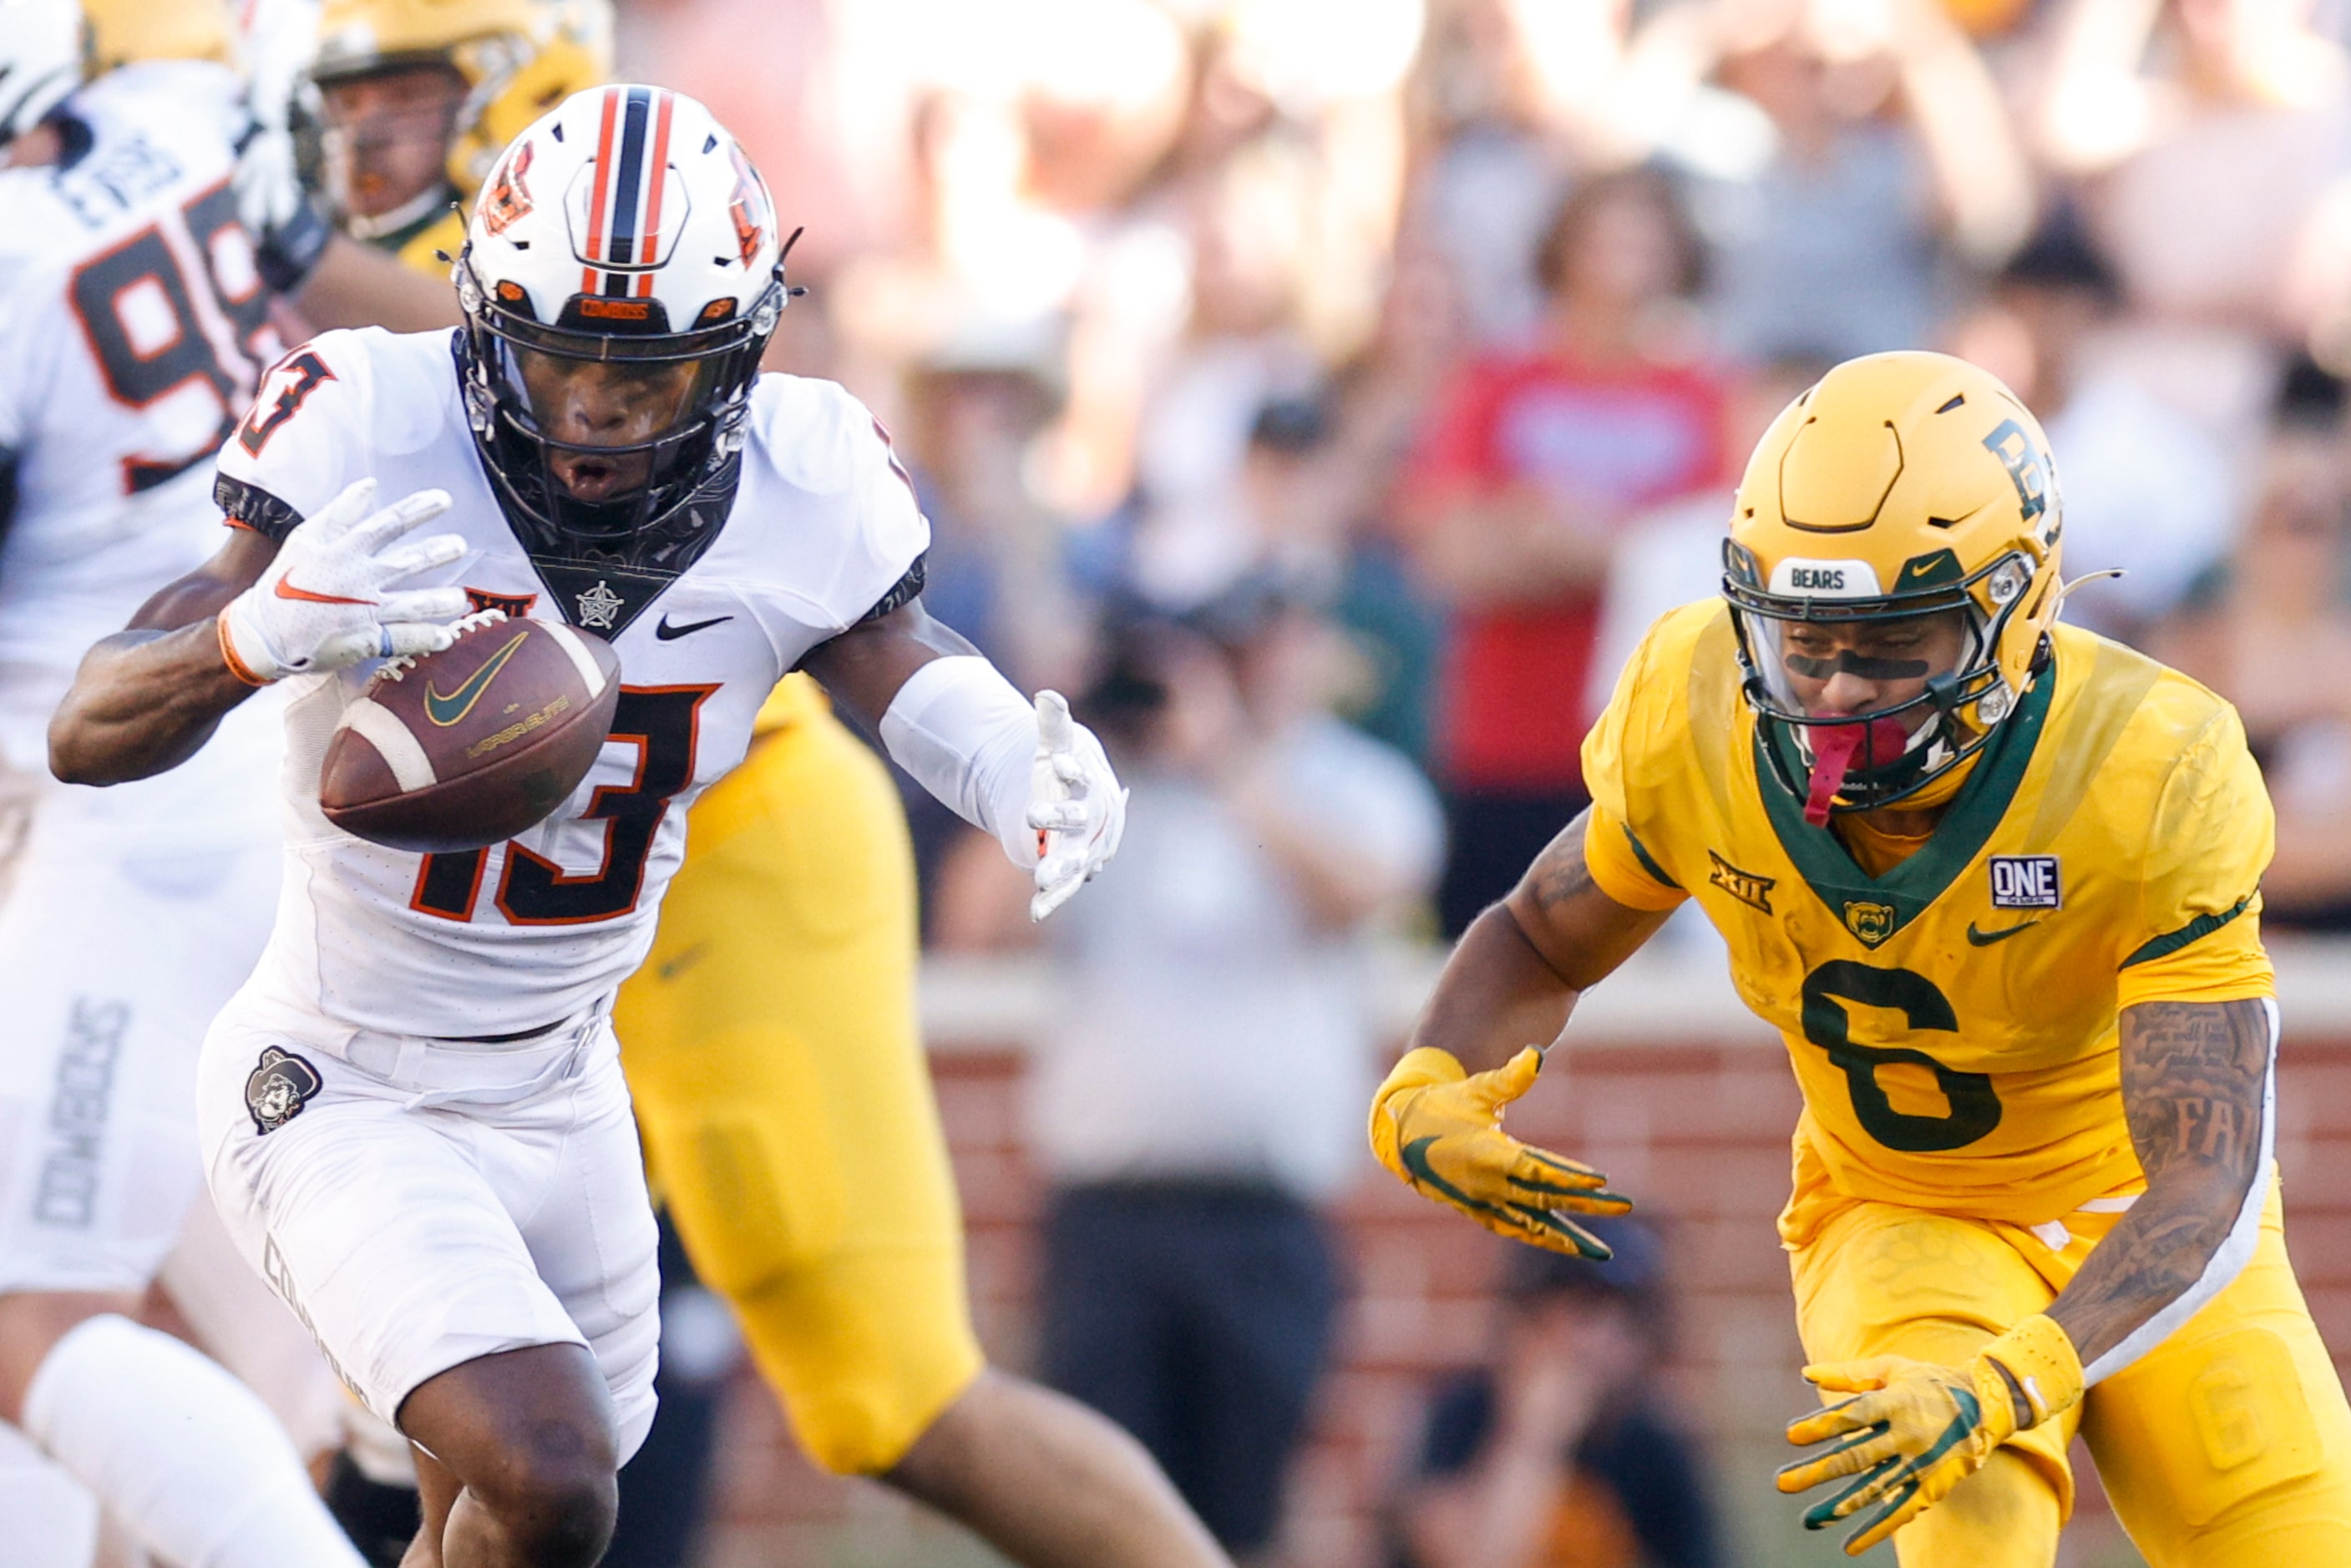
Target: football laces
x=398, y=669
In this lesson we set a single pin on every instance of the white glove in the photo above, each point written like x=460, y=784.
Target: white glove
x=323, y=604
x=1075, y=803
x=288, y=228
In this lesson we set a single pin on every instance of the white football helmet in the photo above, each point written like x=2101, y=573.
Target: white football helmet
x=40, y=61
x=626, y=227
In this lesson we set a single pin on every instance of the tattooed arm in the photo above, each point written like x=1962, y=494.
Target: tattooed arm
x=2195, y=1092
x=1518, y=969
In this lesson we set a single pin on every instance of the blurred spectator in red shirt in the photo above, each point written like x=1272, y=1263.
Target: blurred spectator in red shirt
x=1516, y=502
x=2148, y=492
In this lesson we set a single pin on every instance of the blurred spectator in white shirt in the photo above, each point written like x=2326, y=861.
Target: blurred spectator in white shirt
x=2147, y=491
x=1198, y=1094
x=1218, y=1024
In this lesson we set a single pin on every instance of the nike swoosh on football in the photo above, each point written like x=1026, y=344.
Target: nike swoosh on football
x=446, y=709
x=287, y=590
x=1986, y=939
x=665, y=632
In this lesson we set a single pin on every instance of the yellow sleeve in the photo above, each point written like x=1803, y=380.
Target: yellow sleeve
x=1622, y=867
x=1626, y=869
x=2199, y=936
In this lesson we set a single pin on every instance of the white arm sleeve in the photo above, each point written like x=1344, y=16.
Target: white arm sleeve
x=968, y=737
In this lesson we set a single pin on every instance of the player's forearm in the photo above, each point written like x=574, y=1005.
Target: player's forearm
x=2195, y=1092
x=355, y=285
x=143, y=703
x=1496, y=996
x=1517, y=970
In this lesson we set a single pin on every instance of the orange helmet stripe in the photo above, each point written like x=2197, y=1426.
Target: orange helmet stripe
x=603, y=193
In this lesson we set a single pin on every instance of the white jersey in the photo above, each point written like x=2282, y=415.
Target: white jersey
x=824, y=527
x=133, y=327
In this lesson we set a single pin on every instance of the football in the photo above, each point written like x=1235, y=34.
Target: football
x=468, y=747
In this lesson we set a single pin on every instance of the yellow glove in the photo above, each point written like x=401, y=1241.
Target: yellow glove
x=1440, y=1130
x=1919, y=1429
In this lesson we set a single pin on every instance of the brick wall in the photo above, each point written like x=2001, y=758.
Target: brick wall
x=1685, y=1103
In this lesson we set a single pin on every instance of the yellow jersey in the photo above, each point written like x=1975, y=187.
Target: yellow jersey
x=1952, y=1021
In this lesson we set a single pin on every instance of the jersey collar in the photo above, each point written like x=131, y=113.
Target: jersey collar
x=1874, y=907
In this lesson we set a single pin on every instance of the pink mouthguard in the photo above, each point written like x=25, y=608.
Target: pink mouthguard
x=1833, y=749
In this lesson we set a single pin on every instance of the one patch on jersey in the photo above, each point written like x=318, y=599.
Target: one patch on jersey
x=516, y=606
x=1873, y=923
x=2025, y=882
x=276, y=1090
x=1746, y=886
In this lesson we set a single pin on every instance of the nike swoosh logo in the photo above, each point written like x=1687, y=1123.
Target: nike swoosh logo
x=1986, y=939
x=287, y=590
x=665, y=632
x=446, y=709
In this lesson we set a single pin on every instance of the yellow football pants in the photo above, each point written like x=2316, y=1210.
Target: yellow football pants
x=2228, y=1446
x=772, y=1043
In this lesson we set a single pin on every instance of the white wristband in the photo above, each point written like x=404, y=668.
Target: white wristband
x=968, y=737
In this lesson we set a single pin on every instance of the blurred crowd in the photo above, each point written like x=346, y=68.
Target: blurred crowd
x=1448, y=322
x=1328, y=393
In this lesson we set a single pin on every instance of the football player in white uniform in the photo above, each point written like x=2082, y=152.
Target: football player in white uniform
x=133, y=327
x=412, y=1116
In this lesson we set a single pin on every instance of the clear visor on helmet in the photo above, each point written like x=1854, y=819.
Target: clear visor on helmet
x=1824, y=672
x=1872, y=704
x=592, y=404
x=606, y=427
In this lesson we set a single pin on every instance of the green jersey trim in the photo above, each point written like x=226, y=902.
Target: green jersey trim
x=1649, y=862
x=2195, y=930
x=1875, y=907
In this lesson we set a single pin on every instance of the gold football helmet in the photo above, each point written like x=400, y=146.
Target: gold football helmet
x=519, y=58
x=123, y=31
x=1898, y=485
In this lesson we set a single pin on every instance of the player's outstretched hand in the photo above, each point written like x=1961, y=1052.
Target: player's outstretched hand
x=1915, y=1430
x=326, y=602
x=1075, y=803
x=1440, y=1127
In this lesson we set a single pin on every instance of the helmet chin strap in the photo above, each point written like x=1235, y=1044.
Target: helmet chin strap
x=1833, y=746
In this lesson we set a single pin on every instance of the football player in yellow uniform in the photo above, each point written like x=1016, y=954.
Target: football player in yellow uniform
x=770, y=1041
x=1996, y=882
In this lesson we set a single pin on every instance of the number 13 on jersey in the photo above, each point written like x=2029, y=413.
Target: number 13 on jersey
x=663, y=723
